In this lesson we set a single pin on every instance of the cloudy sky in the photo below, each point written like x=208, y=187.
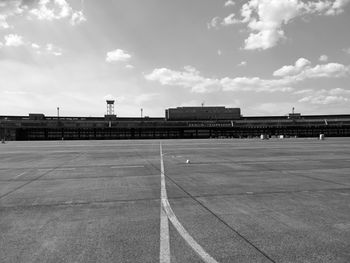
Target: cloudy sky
x=264, y=56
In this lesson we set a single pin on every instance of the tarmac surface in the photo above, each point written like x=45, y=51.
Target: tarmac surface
x=239, y=200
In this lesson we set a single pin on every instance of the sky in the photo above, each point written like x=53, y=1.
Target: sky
x=263, y=56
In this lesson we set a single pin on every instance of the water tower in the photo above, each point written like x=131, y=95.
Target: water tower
x=110, y=111
x=110, y=107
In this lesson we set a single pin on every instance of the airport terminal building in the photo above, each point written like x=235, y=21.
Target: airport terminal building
x=180, y=122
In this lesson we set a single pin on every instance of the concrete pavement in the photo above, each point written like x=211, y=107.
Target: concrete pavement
x=241, y=200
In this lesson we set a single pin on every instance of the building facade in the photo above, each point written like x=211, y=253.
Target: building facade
x=203, y=113
x=184, y=124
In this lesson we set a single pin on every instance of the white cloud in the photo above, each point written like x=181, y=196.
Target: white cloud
x=323, y=58
x=300, y=64
x=40, y=9
x=229, y=20
x=3, y=22
x=117, y=55
x=269, y=16
x=255, y=84
x=288, y=77
x=229, y=3
x=264, y=39
x=347, y=50
x=242, y=64
x=129, y=66
x=336, y=7
x=219, y=52
x=303, y=91
x=324, y=100
x=77, y=18
x=324, y=97
x=265, y=19
x=214, y=23
x=190, y=78
x=303, y=70
x=330, y=70
x=7, y=9
x=55, y=10
x=49, y=47
x=53, y=50
x=339, y=91
x=333, y=92
x=35, y=46
x=13, y=40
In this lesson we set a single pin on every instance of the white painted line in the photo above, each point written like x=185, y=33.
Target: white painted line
x=20, y=174
x=127, y=166
x=164, y=249
x=163, y=193
x=185, y=235
x=176, y=223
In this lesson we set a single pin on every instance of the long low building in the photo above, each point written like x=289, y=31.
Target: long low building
x=41, y=127
x=202, y=113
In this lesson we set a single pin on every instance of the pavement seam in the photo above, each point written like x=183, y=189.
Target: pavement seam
x=76, y=167
x=78, y=178
x=38, y=177
x=169, y=198
x=317, y=179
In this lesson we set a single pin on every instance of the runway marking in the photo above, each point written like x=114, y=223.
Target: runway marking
x=164, y=250
x=164, y=253
x=164, y=234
